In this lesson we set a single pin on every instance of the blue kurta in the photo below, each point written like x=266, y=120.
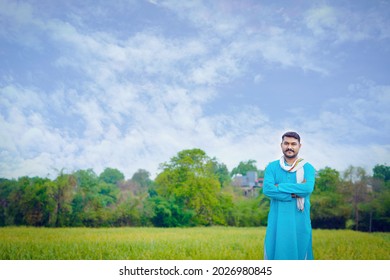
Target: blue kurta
x=288, y=235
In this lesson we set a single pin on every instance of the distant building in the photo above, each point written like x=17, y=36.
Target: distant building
x=249, y=183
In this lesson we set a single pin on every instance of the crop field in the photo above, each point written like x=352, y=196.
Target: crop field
x=200, y=243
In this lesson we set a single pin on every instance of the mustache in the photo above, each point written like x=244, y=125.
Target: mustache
x=289, y=150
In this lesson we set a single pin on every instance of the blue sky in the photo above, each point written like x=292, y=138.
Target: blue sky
x=129, y=84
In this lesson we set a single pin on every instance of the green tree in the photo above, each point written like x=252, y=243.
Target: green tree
x=356, y=188
x=222, y=172
x=15, y=197
x=128, y=211
x=63, y=193
x=6, y=188
x=111, y=176
x=327, y=180
x=328, y=209
x=243, y=167
x=83, y=203
x=382, y=172
x=35, y=205
x=166, y=213
x=189, y=180
x=379, y=211
x=250, y=212
x=94, y=201
x=142, y=179
x=375, y=211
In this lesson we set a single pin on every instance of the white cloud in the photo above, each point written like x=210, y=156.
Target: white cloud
x=216, y=17
x=243, y=32
x=341, y=24
x=322, y=152
x=142, y=98
x=258, y=78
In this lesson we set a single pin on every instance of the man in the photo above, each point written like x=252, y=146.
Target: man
x=288, y=182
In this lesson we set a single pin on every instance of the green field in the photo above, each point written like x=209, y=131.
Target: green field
x=212, y=243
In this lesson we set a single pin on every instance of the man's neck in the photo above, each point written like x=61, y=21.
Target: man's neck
x=290, y=161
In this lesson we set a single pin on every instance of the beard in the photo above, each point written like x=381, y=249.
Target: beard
x=290, y=154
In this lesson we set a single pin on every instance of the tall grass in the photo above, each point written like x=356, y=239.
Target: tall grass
x=350, y=245
x=213, y=243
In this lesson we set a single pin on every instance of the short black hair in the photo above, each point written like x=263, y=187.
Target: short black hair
x=293, y=135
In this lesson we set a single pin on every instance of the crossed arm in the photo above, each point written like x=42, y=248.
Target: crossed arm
x=288, y=191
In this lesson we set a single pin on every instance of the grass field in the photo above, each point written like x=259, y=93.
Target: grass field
x=213, y=243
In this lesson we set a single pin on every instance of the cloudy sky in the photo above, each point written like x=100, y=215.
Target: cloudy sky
x=128, y=84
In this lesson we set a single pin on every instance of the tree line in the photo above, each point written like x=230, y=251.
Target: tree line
x=192, y=189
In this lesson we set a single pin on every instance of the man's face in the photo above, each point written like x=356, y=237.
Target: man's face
x=290, y=147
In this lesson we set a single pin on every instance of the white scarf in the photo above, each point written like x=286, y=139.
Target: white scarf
x=297, y=167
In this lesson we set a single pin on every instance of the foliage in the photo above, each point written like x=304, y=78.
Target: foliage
x=192, y=189
x=382, y=172
x=111, y=176
x=142, y=179
x=327, y=180
x=222, y=172
x=189, y=180
x=250, y=212
x=243, y=167
x=328, y=209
